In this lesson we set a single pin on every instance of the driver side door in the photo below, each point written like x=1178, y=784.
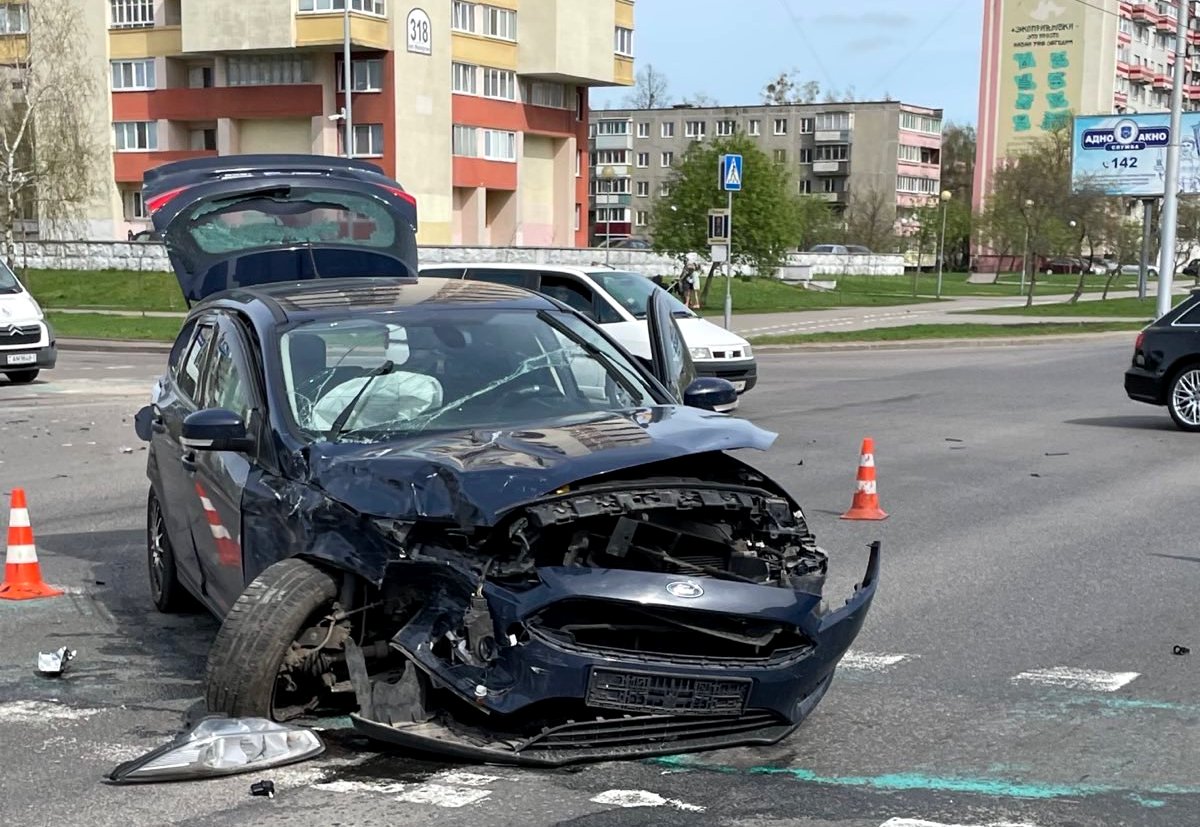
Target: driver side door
x=670, y=360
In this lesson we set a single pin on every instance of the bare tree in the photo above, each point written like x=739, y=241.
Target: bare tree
x=700, y=99
x=50, y=150
x=871, y=218
x=651, y=91
x=788, y=88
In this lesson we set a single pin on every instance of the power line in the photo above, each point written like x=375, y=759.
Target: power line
x=937, y=27
x=804, y=39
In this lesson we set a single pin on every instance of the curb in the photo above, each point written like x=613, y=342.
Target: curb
x=938, y=344
x=113, y=346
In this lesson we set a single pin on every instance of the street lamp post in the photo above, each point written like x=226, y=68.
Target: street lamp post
x=946, y=195
x=607, y=173
x=347, y=80
x=1025, y=255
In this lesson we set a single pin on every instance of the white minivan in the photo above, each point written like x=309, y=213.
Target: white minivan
x=26, y=338
x=617, y=300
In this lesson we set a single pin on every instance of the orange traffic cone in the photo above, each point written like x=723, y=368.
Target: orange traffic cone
x=22, y=574
x=866, y=500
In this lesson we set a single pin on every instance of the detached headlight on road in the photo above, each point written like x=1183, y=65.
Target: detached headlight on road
x=222, y=746
x=700, y=352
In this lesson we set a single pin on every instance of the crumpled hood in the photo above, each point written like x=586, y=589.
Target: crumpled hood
x=473, y=477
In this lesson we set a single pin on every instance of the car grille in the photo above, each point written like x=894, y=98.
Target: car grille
x=654, y=634
x=729, y=373
x=675, y=694
x=650, y=731
x=13, y=335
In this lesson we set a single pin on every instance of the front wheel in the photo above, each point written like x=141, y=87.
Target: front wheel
x=263, y=662
x=1183, y=399
x=22, y=377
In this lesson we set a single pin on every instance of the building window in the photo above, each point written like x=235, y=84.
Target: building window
x=128, y=14
x=694, y=129
x=610, y=186
x=643, y=189
x=664, y=190
x=643, y=159
x=836, y=152
x=641, y=218
x=806, y=126
x=14, y=19
x=910, y=183
x=499, y=145
x=919, y=123
x=806, y=155
x=780, y=156
x=462, y=16
x=136, y=136
x=367, y=75
x=754, y=127
x=667, y=159
x=911, y=154
x=378, y=7
x=623, y=41
x=203, y=139
x=368, y=139
x=835, y=122
x=781, y=126
x=668, y=129
x=725, y=128
x=268, y=70
x=500, y=23
x=135, y=206
x=500, y=84
x=805, y=187
x=464, y=141
x=612, y=127
x=643, y=129
x=463, y=78
x=831, y=185
x=615, y=215
x=132, y=74
x=578, y=212
x=544, y=93
x=611, y=157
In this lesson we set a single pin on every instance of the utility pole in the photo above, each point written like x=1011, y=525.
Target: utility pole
x=347, y=78
x=1170, y=211
x=946, y=195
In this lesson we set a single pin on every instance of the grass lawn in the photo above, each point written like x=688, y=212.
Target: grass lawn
x=1146, y=308
x=955, y=284
x=104, y=290
x=946, y=331
x=101, y=326
x=752, y=295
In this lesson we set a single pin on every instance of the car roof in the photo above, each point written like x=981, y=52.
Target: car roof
x=532, y=267
x=301, y=301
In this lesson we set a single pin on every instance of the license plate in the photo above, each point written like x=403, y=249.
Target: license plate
x=739, y=386
x=21, y=358
x=668, y=694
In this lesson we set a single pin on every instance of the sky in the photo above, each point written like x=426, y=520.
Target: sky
x=924, y=52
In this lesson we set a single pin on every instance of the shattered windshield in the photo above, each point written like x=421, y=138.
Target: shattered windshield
x=633, y=292
x=400, y=374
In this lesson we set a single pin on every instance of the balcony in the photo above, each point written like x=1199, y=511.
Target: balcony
x=828, y=167
x=325, y=30
x=210, y=104
x=1140, y=74
x=569, y=43
x=13, y=48
x=832, y=136
x=130, y=167
x=1162, y=81
x=160, y=41
x=474, y=173
x=1143, y=13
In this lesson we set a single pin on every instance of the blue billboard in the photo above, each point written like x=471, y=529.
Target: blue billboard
x=1126, y=155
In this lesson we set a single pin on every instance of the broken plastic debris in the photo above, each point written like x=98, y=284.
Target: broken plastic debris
x=126, y=450
x=1180, y=650
x=953, y=439
x=53, y=663
x=266, y=788
x=1058, y=453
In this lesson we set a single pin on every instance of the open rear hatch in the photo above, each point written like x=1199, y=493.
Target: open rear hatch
x=244, y=220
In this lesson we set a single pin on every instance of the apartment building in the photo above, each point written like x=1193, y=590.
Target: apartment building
x=478, y=108
x=832, y=150
x=1044, y=62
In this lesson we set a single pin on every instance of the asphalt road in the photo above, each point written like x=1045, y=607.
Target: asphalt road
x=1039, y=565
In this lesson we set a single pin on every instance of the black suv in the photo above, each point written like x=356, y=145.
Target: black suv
x=1166, y=364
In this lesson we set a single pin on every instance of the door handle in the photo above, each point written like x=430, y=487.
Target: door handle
x=157, y=425
x=188, y=461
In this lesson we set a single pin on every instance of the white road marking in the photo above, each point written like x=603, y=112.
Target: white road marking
x=376, y=787
x=466, y=779
x=1072, y=678
x=871, y=662
x=916, y=822
x=444, y=789
x=439, y=795
x=38, y=712
x=643, y=798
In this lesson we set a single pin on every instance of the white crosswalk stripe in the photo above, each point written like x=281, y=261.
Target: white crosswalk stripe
x=1072, y=678
x=449, y=788
x=916, y=822
x=872, y=661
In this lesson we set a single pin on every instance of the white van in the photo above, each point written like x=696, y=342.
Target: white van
x=617, y=300
x=26, y=338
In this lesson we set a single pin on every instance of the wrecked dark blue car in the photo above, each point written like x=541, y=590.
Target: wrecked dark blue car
x=454, y=509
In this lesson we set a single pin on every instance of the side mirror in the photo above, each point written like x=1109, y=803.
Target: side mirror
x=711, y=394
x=215, y=429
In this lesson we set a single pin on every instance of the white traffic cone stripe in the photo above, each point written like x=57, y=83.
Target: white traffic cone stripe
x=207, y=503
x=219, y=532
x=19, y=555
x=18, y=518
x=868, y=461
x=866, y=486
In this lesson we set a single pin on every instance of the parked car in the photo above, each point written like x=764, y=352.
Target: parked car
x=1135, y=269
x=838, y=249
x=627, y=243
x=616, y=300
x=27, y=344
x=1192, y=268
x=401, y=503
x=1166, y=364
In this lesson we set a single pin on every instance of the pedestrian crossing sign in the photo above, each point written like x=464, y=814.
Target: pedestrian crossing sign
x=731, y=173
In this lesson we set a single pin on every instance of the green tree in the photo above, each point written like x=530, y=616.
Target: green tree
x=766, y=215
x=816, y=222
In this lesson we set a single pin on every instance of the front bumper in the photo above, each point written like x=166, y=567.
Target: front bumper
x=743, y=373
x=20, y=350
x=620, y=704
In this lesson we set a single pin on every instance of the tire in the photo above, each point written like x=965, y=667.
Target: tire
x=1183, y=398
x=22, y=377
x=256, y=635
x=168, y=594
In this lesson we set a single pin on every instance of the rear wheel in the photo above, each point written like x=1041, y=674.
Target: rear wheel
x=1183, y=398
x=22, y=377
x=268, y=659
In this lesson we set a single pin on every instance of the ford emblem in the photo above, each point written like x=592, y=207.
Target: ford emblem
x=682, y=589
